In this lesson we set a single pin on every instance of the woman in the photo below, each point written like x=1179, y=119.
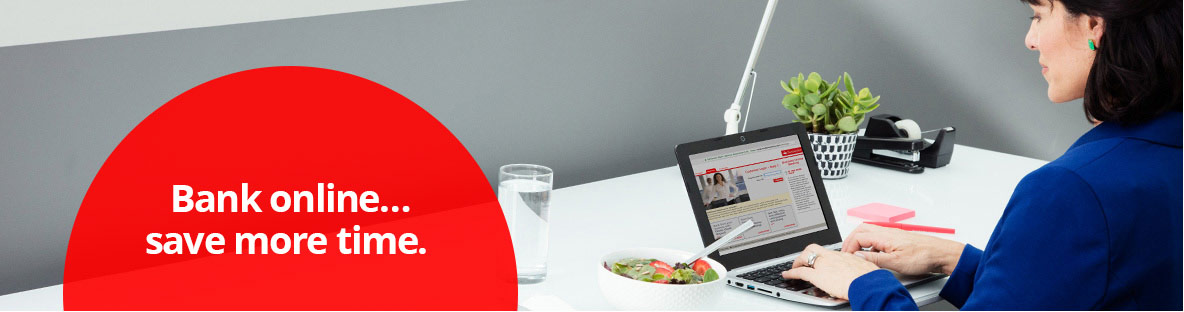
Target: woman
x=1097, y=228
x=719, y=189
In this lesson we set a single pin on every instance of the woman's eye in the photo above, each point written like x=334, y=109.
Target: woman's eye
x=1035, y=18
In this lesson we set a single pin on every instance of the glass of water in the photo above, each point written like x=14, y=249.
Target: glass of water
x=524, y=192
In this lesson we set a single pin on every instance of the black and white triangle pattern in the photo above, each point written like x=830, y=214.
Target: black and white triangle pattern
x=833, y=152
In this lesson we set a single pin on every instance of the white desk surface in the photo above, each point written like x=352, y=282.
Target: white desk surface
x=969, y=195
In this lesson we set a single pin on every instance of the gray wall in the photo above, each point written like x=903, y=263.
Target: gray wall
x=593, y=89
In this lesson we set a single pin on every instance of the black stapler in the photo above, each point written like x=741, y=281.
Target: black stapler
x=911, y=155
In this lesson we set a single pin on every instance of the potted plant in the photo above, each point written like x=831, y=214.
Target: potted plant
x=831, y=116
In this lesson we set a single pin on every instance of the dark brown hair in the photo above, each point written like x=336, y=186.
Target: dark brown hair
x=1136, y=73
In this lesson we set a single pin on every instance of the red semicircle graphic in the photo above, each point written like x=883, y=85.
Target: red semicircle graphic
x=290, y=130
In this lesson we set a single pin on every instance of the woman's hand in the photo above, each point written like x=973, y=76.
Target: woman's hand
x=902, y=251
x=832, y=272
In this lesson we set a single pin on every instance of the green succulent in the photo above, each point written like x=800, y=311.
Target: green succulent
x=825, y=109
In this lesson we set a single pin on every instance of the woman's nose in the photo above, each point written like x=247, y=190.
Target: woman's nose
x=1031, y=40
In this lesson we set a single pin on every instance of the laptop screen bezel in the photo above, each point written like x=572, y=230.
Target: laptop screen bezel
x=772, y=250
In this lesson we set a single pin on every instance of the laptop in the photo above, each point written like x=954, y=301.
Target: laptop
x=768, y=176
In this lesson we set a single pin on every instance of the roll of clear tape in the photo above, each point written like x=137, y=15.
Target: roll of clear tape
x=910, y=127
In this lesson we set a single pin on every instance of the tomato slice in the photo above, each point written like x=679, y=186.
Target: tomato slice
x=700, y=266
x=658, y=264
x=665, y=272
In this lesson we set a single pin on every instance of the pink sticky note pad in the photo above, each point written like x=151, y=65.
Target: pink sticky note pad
x=881, y=212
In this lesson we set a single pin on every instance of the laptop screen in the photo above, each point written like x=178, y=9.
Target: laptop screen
x=767, y=182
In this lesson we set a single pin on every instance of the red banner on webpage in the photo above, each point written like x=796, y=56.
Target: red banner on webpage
x=788, y=153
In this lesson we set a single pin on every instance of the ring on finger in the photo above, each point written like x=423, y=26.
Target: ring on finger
x=810, y=259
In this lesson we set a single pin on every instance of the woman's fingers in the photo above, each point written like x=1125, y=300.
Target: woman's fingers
x=879, y=258
x=801, y=273
x=803, y=257
x=851, y=244
x=832, y=271
x=801, y=260
x=858, y=241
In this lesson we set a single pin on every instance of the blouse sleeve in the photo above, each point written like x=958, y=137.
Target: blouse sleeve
x=879, y=291
x=961, y=281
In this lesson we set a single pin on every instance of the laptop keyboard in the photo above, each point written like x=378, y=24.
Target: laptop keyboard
x=771, y=276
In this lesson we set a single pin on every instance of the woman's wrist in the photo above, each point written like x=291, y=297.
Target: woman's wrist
x=948, y=255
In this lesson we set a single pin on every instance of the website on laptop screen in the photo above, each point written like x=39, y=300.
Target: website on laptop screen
x=766, y=182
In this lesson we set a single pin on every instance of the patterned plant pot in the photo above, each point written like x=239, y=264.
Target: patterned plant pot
x=833, y=152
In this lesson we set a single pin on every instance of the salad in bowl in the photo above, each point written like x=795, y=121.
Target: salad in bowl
x=643, y=279
x=656, y=271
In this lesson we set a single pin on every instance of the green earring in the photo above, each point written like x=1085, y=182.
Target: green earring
x=1092, y=47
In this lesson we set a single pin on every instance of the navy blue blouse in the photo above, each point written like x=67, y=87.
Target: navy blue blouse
x=1097, y=228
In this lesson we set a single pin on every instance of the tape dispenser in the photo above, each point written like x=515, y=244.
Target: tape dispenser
x=899, y=144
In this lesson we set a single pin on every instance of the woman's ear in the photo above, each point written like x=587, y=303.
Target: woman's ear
x=1094, y=27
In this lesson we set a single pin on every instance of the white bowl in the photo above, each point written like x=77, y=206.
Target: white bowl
x=629, y=294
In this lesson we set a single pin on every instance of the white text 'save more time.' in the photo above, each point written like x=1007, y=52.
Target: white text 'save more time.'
x=325, y=199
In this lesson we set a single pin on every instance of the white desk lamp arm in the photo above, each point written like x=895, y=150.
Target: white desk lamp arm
x=732, y=115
